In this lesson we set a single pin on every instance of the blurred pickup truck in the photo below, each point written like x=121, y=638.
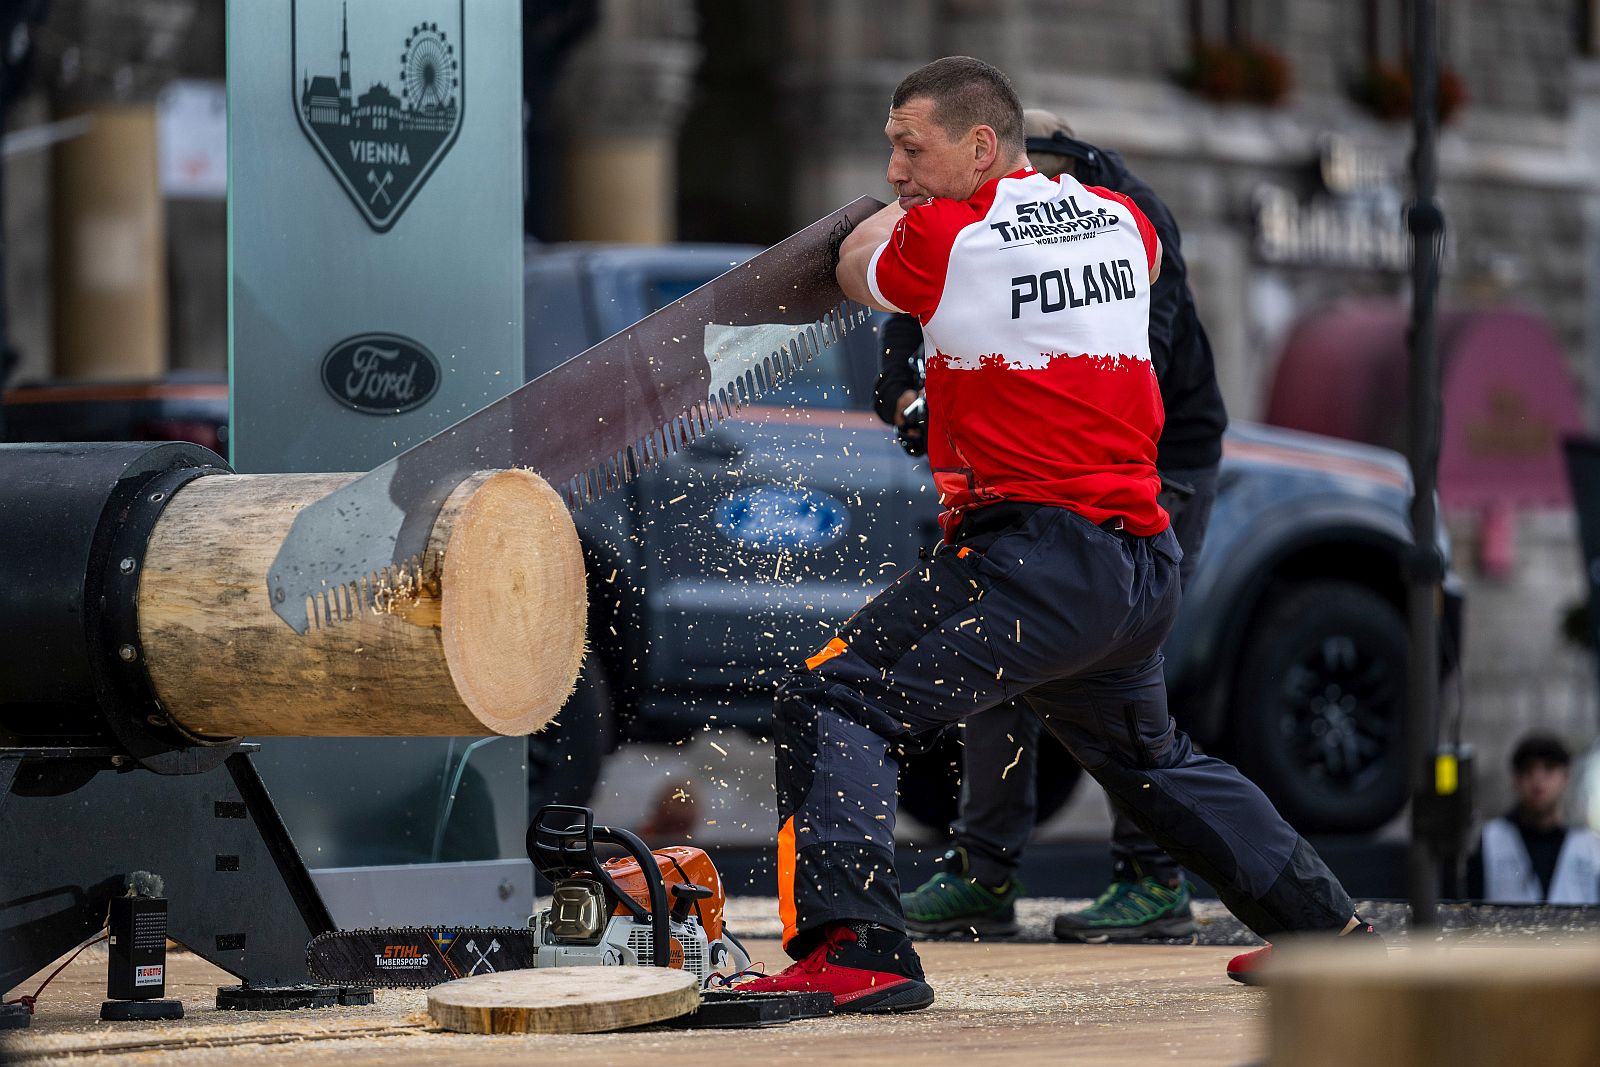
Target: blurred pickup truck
x=738, y=556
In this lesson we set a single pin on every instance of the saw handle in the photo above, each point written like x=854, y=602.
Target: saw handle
x=685, y=896
x=563, y=853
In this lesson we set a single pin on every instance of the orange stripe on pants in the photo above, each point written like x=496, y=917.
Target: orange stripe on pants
x=833, y=648
x=786, y=869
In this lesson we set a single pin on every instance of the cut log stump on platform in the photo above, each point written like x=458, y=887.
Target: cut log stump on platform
x=1433, y=1005
x=484, y=635
x=563, y=1000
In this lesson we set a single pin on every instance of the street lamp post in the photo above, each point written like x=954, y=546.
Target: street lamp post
x=1426, y=221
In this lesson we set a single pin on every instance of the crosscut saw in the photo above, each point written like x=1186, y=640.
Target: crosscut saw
x=586, y=427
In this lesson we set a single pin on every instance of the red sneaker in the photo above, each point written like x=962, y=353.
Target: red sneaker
x=1246, y=967
x=861, y=977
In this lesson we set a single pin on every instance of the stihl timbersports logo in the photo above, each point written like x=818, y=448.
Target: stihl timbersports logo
x=381, y=143
x=402, y=957
x=1048, y=222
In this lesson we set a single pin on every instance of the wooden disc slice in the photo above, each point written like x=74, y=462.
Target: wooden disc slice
x=563, y=1000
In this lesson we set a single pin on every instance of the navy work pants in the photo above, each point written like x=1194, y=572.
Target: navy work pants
x=1039, y=603
x=999, y=754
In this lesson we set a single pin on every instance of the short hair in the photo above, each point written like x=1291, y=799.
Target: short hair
x=966, y=92
x=1539, y=748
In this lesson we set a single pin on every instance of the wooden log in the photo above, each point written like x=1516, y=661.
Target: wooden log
x=485, y=636
x=563, y=1000
x=1451, y=1005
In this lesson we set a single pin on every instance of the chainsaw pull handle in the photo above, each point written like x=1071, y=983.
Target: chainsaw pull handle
x=685, y=896
x=562, y=849
x=562, y=852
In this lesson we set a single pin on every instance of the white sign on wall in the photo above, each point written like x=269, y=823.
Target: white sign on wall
x=192, y=139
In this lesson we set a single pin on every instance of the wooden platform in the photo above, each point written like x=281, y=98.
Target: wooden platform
x=1011, y=1004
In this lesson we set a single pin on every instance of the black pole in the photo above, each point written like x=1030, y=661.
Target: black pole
x=1426, y=222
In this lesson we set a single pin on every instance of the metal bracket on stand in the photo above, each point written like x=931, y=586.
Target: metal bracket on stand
x=241, y=896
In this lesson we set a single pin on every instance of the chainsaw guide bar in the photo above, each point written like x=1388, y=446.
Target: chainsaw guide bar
x=418, y=957
x=586, y=427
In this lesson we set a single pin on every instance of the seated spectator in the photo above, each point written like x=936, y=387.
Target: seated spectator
x=1530, y=855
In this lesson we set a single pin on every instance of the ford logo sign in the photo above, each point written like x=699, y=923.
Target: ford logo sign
x=775, y=518
x=380, y=373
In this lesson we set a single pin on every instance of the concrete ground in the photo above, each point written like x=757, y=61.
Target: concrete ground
x=1020, y=1002
x=1001, y=1003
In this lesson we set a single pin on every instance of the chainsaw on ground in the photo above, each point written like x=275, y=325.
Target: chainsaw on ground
x=639, y=909
x=642, y=908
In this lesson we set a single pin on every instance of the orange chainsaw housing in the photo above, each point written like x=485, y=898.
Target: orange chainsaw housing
x=682, y=864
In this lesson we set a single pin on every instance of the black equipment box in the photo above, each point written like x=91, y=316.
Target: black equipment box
x=138, y=964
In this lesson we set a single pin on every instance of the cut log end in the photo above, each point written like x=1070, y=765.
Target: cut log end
x=514, y=602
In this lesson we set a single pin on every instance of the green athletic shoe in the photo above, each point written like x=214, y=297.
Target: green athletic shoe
x=951, y=904
x=1131, y=911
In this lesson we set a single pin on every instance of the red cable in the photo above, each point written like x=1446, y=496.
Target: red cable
x=28, y=1001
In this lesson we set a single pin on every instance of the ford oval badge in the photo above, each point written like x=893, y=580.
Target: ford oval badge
x=775, y=518
x=380, y=373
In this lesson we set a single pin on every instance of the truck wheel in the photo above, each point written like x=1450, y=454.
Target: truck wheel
x=930, y=782
x=1319, y=713
x=564, y=758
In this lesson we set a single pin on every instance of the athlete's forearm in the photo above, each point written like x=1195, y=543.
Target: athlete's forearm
x=855, y=254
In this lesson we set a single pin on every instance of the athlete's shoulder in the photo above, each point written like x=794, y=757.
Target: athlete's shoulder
x=1141, y=221
x=941, y=215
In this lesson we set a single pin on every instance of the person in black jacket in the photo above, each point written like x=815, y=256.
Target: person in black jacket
x=1148, y=896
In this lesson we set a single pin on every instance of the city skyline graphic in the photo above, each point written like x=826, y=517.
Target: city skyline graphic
x=380, y=142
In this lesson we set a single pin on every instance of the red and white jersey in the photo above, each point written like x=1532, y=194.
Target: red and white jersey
x=1034, y=298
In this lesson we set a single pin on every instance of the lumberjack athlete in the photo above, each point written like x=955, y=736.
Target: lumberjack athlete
x=976, y=893
x=1058, y=576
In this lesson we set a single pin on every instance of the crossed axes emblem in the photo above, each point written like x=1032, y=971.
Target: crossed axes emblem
x=483, y=957
x=380, y=188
